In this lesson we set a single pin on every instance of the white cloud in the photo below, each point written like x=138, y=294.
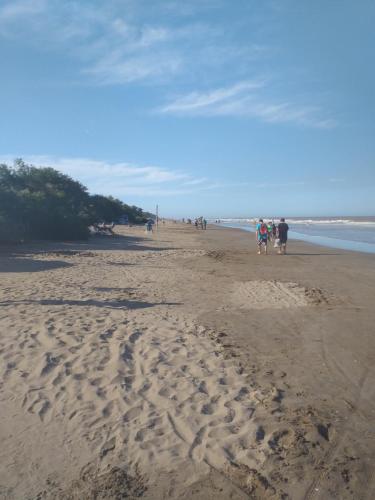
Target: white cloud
x=192, y=7
x=245, y=99
x=126, y=180
x=120, y=179
x=120, y=43
x=276, y=185
x=114, y=68
x=195, y=182
x=195, y=102
x=124, y=42
x=147, y=53
x=336, y=180
x=14, y=10
x=153, y=35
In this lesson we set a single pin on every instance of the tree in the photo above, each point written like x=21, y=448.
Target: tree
x=104, y=209
x=42, y=203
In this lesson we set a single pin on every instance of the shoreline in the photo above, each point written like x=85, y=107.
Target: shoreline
x=322, y=241
x=183, y=365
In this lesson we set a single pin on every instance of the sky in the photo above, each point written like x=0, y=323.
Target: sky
x=204, y=107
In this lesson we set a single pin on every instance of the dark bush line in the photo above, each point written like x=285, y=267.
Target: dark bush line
x=42, y=203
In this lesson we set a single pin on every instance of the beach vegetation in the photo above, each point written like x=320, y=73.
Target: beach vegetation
x=108, y=209
x=43, y=203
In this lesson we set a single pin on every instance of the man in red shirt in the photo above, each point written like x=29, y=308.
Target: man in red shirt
x=262, y=236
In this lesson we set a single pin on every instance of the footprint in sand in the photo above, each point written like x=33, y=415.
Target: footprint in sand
x=107, y=447
x=57, y=380
x=107, y=410
x=40, y=406
x=230, y=416
x=132, y=414
x=51, y=362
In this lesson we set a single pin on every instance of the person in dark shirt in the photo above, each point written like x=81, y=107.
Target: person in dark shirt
x=282, y=232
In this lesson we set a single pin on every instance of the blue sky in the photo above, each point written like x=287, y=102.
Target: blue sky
x=208, y=107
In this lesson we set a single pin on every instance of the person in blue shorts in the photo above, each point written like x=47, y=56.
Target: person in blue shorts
x=262, y=236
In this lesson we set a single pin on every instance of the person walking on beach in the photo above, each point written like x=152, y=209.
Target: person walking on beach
x=269, y=229
x=274, y=231
x=204, y=223
x=149, y=225
x=262, y=236
x=282, y=231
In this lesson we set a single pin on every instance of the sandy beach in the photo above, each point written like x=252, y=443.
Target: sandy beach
x=183, y=365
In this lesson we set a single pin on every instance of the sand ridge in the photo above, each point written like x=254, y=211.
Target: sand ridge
x=272, y=294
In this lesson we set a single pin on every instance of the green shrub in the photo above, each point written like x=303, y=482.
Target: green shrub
x=42, y=203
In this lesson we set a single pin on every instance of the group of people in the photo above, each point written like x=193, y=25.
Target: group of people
x=269, y=232
x=200, y=222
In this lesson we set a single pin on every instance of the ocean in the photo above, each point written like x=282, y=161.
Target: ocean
x=349, y=233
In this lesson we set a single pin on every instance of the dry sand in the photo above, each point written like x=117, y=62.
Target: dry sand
x=183, y=365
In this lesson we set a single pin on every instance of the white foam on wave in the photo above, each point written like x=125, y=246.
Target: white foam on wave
x=301, y=221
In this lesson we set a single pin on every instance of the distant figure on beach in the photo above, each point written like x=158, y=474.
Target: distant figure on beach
x=262, y=236
x=274, y=231
x=204, y=223
x=282, y=232
x=269, y=229
x=196, y=223
x=110, y=228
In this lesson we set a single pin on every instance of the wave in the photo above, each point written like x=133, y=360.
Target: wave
x=306, y=222
x=349, y=235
